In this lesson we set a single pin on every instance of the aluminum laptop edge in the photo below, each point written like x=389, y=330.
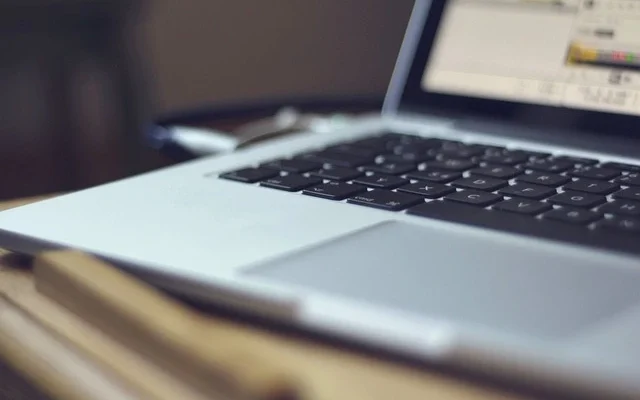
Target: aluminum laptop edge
x=548, y=297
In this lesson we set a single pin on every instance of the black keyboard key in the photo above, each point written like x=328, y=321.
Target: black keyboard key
x=334, y=190
x=632, y=179
x=497, y=171
x=338, y=173
x=543, y=178
x=526, y=225
x=427, y=189
x=491, y=149
x=522, y=206
x=355, y=150
x=495, y=150
x=391, y=168
x=462, y=152
x=413, y=143
x=450, y=145
x=549, y=165
x=537, y=154
x=434, y=143
x=628, y=194
x=506, y=157
x=577, y=199
x=622, y=207
x=630, y=226
x=376, y=143
x=592, y=186
x=408, y=157
x=480, y=183
x=380, y=181
x=337, y=159
x=452, y=164
x=578, y=161
x=528, y=191
x=403, y=138
x=290, y=183
x=573, y=215
x=434, y=176
x=297, y=166
x=595, y=173
x=622, y=166
x=250, y=175
x=474, y=198
x=386, y=200
x=419, y=148
x=458, y=212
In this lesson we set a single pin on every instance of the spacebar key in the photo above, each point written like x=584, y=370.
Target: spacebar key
x=524, y=225
x=470, y=215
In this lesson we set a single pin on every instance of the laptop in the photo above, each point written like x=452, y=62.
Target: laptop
x=488, y=219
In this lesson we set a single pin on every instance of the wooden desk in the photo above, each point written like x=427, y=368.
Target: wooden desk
x=332, y=373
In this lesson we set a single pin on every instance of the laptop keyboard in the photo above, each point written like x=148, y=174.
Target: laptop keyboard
x=558, y=197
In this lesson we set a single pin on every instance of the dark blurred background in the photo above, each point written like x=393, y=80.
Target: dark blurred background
x=195, y=53
x=203, y=50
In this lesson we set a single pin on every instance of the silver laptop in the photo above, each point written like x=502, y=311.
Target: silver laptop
x=488, y=219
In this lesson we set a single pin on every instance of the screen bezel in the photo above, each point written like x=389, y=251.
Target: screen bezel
x=414, y=99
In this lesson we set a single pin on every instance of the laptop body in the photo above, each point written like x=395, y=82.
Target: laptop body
x=486, y=220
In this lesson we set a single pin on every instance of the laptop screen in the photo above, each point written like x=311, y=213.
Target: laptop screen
x=555, y=65
x=582, y=54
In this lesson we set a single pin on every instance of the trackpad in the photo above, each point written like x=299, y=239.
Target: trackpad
x=519, y=287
